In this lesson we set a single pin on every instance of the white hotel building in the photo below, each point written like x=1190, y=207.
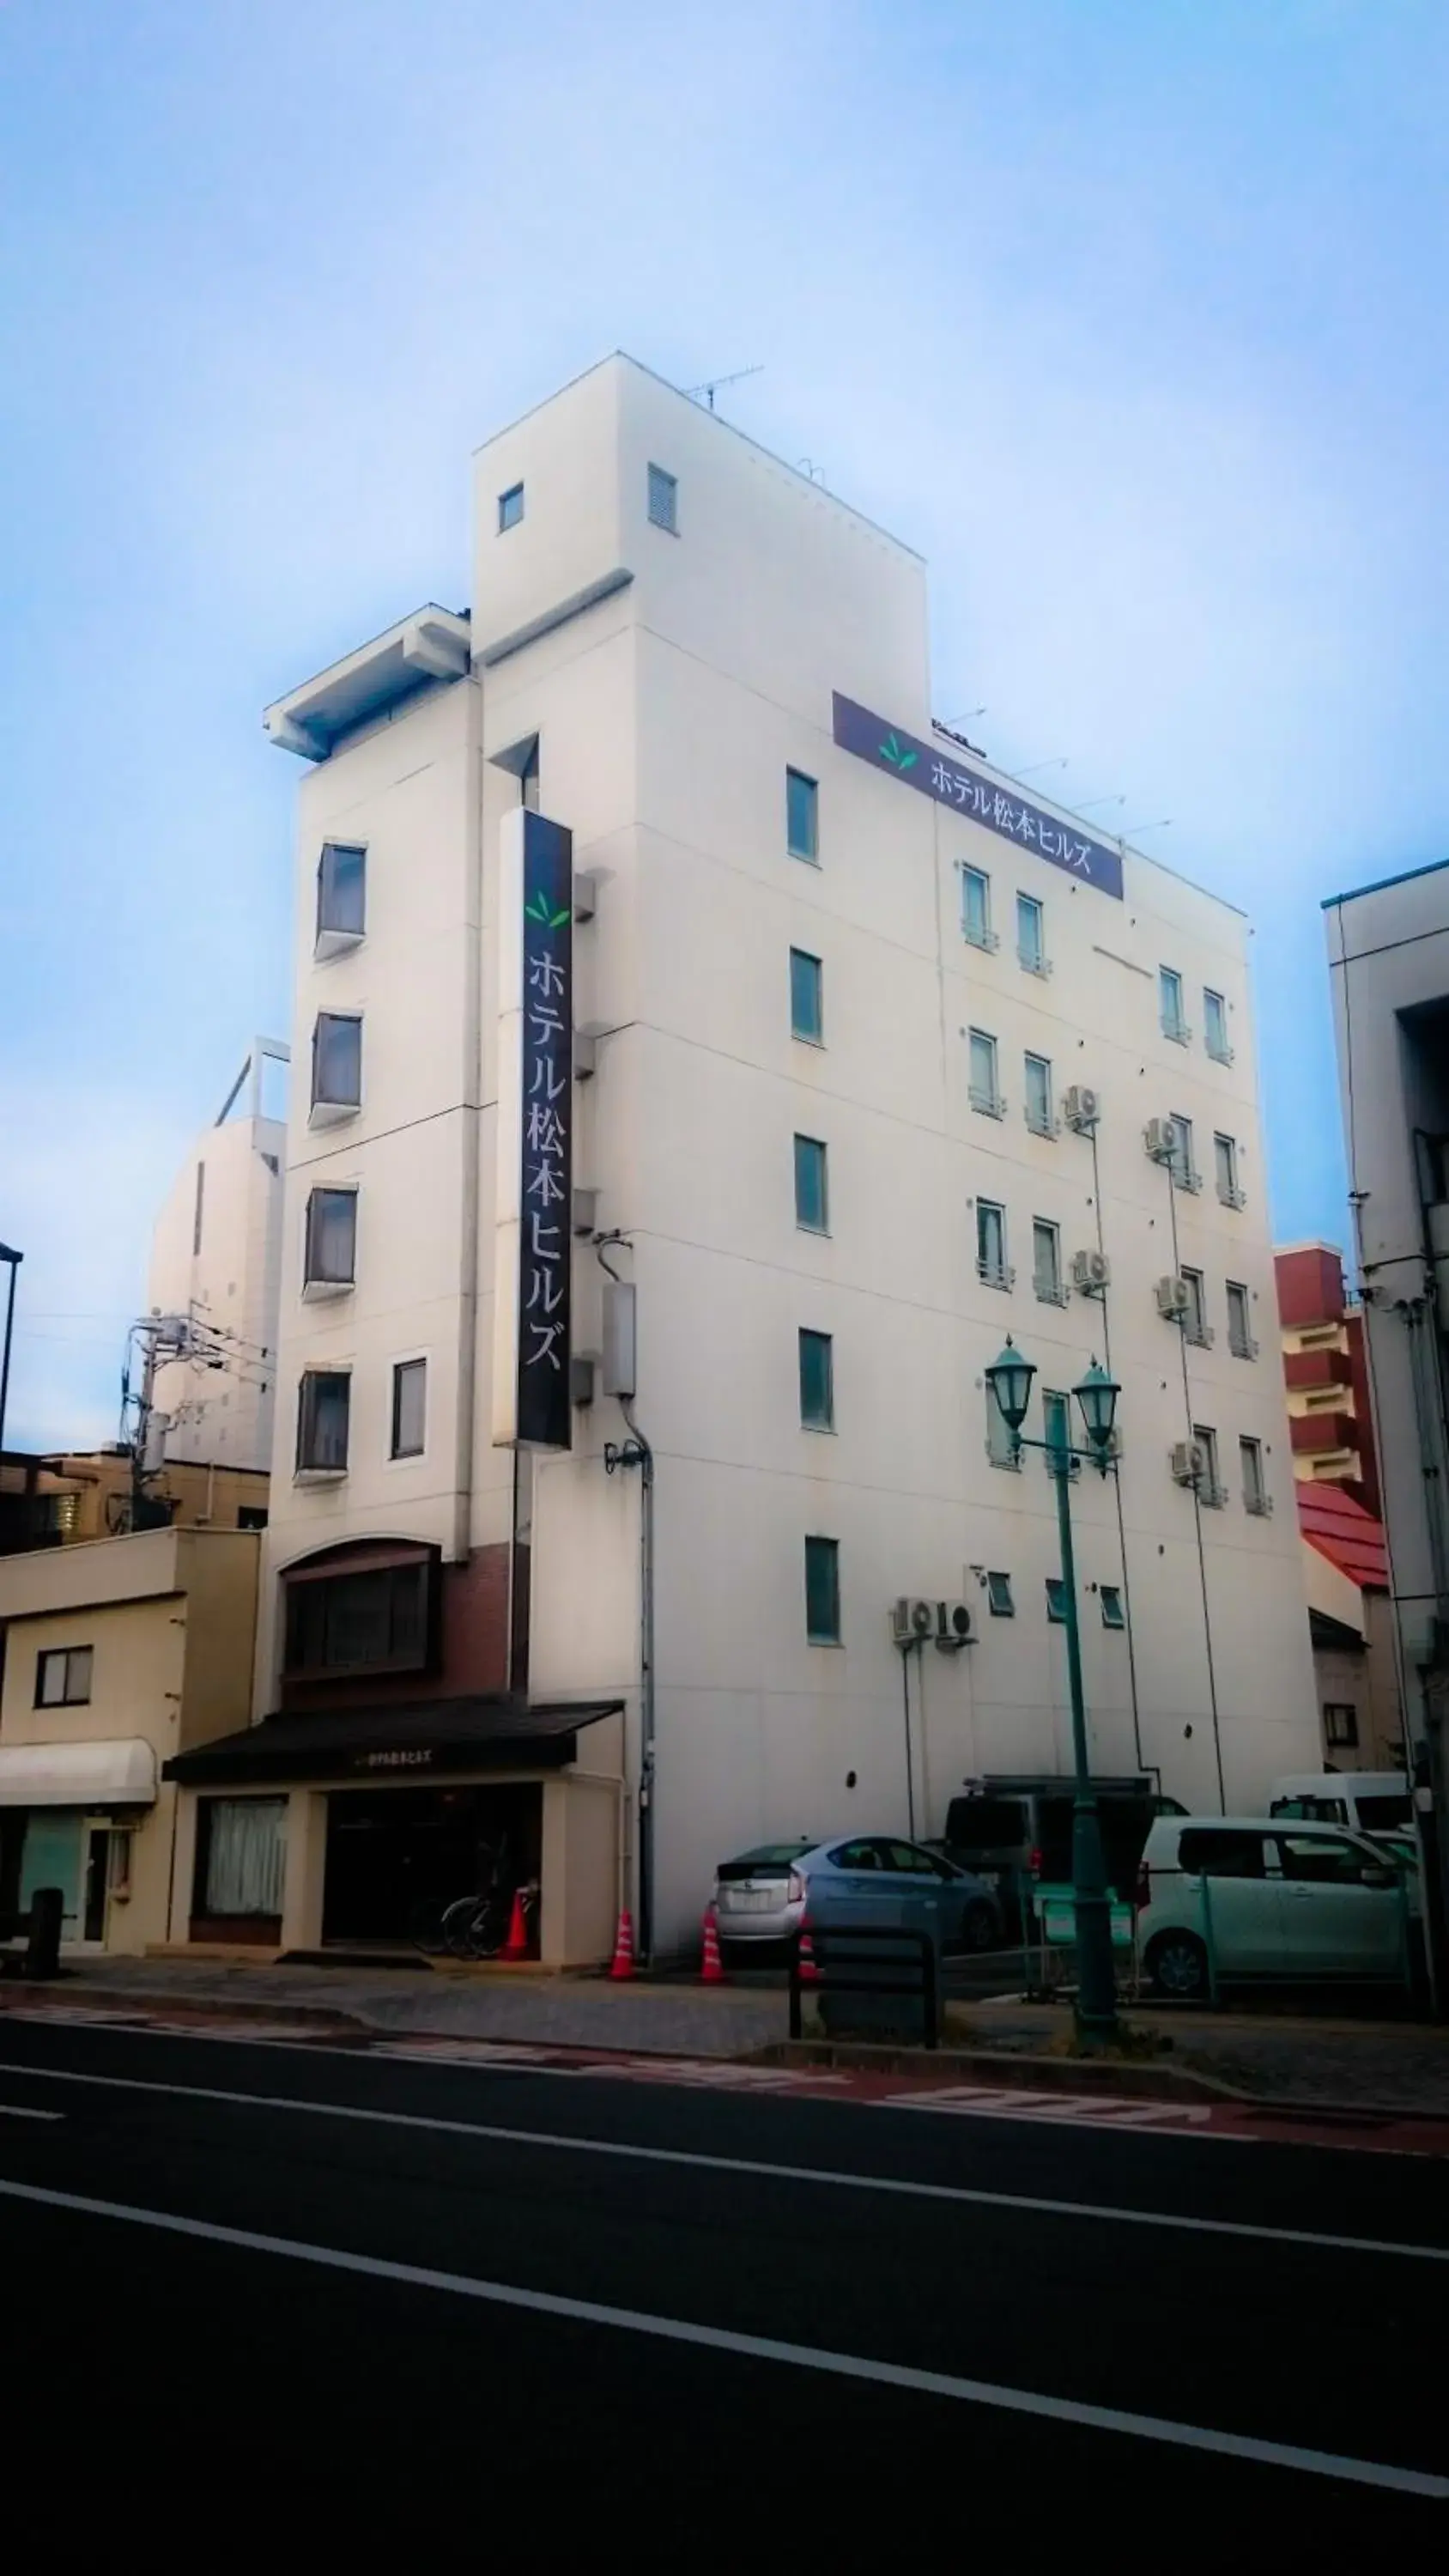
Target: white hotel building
x=872, y=1051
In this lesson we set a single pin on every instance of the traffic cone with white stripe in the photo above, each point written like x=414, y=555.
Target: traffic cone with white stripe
x=623, y=1961
x=712, y=1966
x=809, y=1967
x=516, y=1945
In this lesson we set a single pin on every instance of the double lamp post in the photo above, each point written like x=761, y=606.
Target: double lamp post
x=1009, y=1379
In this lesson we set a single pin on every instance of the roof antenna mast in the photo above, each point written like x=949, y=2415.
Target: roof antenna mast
x=717, y=384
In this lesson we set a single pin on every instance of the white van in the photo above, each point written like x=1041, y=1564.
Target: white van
x=1371, y=1802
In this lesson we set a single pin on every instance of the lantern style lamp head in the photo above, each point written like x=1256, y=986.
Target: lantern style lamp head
x=1009, y=1378
x=1097, y=1395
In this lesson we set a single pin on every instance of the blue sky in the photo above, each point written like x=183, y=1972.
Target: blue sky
x=1128, y=313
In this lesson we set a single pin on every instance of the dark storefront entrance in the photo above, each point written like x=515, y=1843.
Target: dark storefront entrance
x=391, y=1853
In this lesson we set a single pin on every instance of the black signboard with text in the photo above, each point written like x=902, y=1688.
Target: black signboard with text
x=542, y=1414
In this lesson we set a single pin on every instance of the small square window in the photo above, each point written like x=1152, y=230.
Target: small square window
x=510, y=507
x=324, y=1401
x=817, y=1381
x=1056, y=1593
x=663, y=500
x=1040, y=1115
x=998, y=1596
x=812, y=1191
x=337, y=1061
x=1031, y=934
x=807, y=1006
x=63, y=1677
x=1113, y=1614
x=409, y=1408
x=341, y=892
x=984, y=1090
x=822, y=1591
x=976, y=908
x=802, y=816
x=1340, y=1722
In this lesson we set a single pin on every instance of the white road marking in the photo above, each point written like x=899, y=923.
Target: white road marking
x=896, y=2186
x=22, y=2111
x=794, y=2356
x=1116, y=2110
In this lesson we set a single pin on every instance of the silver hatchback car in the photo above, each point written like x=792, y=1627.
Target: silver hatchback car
x=762, y=1897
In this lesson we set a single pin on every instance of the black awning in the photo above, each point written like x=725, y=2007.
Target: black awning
x=399, y=1743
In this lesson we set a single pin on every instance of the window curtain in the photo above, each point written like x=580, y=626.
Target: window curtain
x=245, y=1855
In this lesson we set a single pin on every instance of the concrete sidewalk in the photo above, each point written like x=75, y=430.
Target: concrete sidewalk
x=1316, y=2061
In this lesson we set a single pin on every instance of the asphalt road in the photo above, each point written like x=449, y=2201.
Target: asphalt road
x=311, y=2298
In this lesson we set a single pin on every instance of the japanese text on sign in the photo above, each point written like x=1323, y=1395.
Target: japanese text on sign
x=980, y=798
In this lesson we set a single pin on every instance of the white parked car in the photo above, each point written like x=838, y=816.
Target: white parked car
x=1369, y=1802
x=1276, y=1896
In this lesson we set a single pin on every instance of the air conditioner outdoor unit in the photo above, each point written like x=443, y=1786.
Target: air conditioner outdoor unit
x=1188, y=1462
x=1173, y=1298
x=1090, y=1271
x=1160, y=1138
x=1082, y=1107
x=912, y=1621
x=953, y=1627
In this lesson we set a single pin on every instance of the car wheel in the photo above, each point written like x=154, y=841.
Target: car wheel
x=979, y=1928
x=1177, y=1964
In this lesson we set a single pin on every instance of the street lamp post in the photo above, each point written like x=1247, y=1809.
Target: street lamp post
x=1009, y=1379
x=7, y=1253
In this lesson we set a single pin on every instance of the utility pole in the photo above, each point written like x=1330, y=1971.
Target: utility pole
x=8, y=1253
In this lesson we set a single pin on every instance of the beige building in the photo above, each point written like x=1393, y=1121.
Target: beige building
x=118, y=1654
x=83, y=1494
x=876, y=1057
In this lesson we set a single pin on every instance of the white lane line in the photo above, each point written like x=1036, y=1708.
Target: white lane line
x=22, y=2111
x=897, y=2186
x=795, y=2356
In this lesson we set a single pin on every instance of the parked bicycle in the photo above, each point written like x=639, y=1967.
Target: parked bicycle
x=476, y=1926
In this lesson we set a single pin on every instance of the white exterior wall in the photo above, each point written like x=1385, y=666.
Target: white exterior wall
x=231, y=1283
x=667, y=715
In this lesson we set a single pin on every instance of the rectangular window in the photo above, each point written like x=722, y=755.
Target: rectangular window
x=1180, y=1164
x=1040, y=1115
x=1220, y=1853
x=1215, y=1026
x=998, y=1596
x=812, y=1191
x=802, y=816
x=817, y=1381
x=1240, y=1322
x=1046, y=1262
x=1210, y=1492
x=1225, y=1157
x=337, y=1060
x=976, y=908
x=1031, y=934
x=1340, y=1723
x=663, y=500
x=409, y=1408
x=984, y=1089
x=245, y=1845
x=1255, y=1491
x=1113, y=1614
x=1169, y=994
x=377, y=1620
x=323, y=1403
x=999, y=1447
x=1056, y=1593
x=1195, y=1322
x=807, y=1005
x=331, y=1257
x=63, y=1677
x=991, y=1263
x=510, y=507
x=341, y=890
x=822, y=1591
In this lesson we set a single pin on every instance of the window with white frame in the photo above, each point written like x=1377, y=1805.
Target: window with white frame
x=1040, y=1112
x=324, y=1403
x=409, y=1408
x=337, y=1061
x=1194, y=1322
x=1180, y=1161
x=976, y=908
x=1240, y=1322
x=1225, y=1158
x=1046, y=1262
x=1170, y=1004
x=331, y=1239
x=998, y=1596
x=341, y=895
x=984, y=1087
x=664, y=500
x=510, y=507
x=1210, y=1491
x=1255, y=1487
x=1031, y=934
x=991, y=1263
x=1215, y=1026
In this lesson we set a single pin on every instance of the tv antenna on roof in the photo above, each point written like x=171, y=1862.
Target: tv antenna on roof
x=718, y=383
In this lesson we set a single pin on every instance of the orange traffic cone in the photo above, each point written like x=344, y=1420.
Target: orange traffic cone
x=516, y=1945
x=809, y=1970
x=712, y=1966
x=623, y=1963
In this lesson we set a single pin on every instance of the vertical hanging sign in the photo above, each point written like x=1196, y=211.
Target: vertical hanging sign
x=532, y=1407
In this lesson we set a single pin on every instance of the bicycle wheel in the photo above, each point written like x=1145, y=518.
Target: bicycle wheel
x=489, y=1928
x=425, y=1927
x=457, y=1925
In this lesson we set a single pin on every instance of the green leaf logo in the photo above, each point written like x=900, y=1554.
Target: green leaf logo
x=537, y=910
x=555, y=919
x=898, y=759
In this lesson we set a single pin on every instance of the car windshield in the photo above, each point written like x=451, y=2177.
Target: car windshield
x=767, y=1860
x=1377, y=1815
